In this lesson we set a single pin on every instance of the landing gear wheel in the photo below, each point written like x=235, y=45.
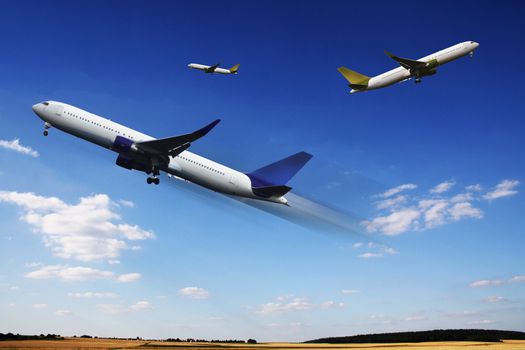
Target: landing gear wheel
x=418, y=80
x=153, y=180
x=46, y=132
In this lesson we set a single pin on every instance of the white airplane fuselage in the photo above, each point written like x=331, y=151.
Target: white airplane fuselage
x=186, y=165
x=399, y=74
x=206, y=68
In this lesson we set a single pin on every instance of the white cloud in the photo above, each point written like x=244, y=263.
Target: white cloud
x=292, y=304
x=465, y=210
x=349, y=291
x=119, y=308
x=63, y=312
x=391, y=202
x=466, y=313
x=39, y=306
x=474, y=188
x=485, y=283
x=462, y=197
x=78, y=273
x=518, y=279
x=113, y=261
x=296, y=304
x=394, y=223
x=129, y=277
x=140, y=305
x=404, y=213
x=87, y=231
x=504, y=189
x=194, y=293
x=415, y=318
x=33, y=264
x=443, y=187
x=481, y=322
x=127, y=203
x=396, y=190
x=330, y=304
x=434, y=212
x=16, y=146
x=357, y=245
x=89, y=295
x=371, y=255
x=495, y=299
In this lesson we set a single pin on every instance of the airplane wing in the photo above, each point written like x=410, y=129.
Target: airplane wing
x=211, y=69
x=175, y=145
x=406, y=63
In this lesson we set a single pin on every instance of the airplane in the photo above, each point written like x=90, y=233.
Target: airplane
x=141, y=152
x=215, y=68
x=425, y=66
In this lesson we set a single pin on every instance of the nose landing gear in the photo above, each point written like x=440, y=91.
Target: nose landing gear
x=418, y=80
x=46, y=126
x=471, y=54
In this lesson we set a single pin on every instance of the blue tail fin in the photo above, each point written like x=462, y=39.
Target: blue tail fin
x=280, y=172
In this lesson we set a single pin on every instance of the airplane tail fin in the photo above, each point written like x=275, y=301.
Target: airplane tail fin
x=271, y=179
x=356, y=80
x=234, y=69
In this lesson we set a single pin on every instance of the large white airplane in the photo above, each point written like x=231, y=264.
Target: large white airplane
x=425, y=66
x=144, y=153
x=215, y=68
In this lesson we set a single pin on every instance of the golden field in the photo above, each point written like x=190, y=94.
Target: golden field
x=100, y=344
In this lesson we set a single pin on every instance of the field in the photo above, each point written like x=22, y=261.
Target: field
x=100, y=344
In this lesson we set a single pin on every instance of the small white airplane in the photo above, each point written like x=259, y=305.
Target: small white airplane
x=144, y=153
x=214, y=68
x=409, y=68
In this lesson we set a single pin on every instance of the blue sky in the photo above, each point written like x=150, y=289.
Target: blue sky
x=432, y=173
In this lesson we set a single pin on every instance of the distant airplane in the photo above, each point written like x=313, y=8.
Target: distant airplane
x=214, y=68
x=409, y=68
x=145, y=153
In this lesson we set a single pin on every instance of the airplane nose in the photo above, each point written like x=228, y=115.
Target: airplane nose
x=35, y=107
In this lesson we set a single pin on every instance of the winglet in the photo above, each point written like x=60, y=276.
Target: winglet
x=203, y=131
x=390, y=54
x=234, y=69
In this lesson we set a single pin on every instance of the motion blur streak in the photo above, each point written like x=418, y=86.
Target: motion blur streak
x=301, y=211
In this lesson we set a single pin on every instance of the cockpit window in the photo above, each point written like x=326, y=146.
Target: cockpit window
x=45, y=103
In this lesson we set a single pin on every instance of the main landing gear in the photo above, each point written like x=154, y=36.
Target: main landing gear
x=46, y=126
x=153, y=180
x=417, y=81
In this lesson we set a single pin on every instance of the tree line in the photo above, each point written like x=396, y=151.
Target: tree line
x=484, y=335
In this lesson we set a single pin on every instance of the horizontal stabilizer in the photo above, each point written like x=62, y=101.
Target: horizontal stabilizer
x=353, y=77
x=271, y=191
x=175, y=145
x=280, y=172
